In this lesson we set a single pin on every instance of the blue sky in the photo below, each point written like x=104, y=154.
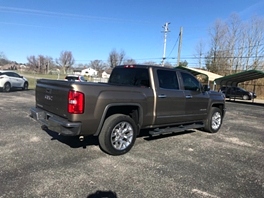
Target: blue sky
x=91, y=29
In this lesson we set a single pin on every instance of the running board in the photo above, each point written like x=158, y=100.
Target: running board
x=180, y=128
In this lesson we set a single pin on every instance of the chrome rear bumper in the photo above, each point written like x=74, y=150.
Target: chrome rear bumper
x=55, y=123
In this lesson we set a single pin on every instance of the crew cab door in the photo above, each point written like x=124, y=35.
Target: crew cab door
x=170, y=100
x=196, y=100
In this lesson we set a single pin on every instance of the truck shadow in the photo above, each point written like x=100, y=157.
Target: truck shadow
x=145, y=134
x=100, y=194
x=73, y=141
x=246, y=102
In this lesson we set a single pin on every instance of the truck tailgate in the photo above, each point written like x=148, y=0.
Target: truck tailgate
x=52, y=96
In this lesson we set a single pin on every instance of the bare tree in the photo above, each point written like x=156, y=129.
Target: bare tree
x=234, y=38
x=168, y=65
x=217, y=60
x=183, y=63
x=116, y=58
x=39, y=64
x=98, y=65
x=3, y=59
x=236, y=45
x=2, y=55
x=33, y=63
x=151, y=63
x=255, y=38
x=65, y=61
x=129, y=61
x=49, y=64
x=200, y=47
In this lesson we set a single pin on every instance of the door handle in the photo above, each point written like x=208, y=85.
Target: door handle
x=188, y=97
x=162, y=96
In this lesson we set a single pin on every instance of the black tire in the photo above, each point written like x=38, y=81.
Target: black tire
x=7, y=87
x=118, y=134
x=214, y=120
x=25, y=86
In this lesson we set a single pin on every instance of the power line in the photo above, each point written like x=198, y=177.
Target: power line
x=174, y=45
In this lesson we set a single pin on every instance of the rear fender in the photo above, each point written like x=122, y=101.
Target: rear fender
x=133, y=110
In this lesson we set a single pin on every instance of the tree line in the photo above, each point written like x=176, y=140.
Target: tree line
x=45, y=64
x=234, y=46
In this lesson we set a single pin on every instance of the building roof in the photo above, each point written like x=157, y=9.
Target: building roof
x=234, y=79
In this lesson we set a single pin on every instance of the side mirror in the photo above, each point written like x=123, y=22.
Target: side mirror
x=206, y=88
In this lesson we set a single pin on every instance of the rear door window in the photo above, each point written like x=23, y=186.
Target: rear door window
x=167, y=79
x=130, y=76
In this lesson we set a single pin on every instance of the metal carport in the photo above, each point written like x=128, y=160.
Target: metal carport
x=234, y=79
x=210, y=76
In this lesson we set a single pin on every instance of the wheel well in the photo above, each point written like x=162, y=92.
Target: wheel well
x=219, y=106
x=131, y=111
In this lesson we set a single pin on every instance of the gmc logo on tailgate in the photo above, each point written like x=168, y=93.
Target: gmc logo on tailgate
x=48, y=97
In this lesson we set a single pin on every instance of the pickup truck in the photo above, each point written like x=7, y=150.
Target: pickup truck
x=162, y=100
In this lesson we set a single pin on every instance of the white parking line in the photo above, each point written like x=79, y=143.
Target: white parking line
x=203, y=193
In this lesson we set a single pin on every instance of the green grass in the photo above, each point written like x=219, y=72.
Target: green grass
x=32, y=78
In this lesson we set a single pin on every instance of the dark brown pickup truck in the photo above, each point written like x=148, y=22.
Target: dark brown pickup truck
x=136, y=97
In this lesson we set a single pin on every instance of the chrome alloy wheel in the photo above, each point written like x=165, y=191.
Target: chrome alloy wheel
x=122, y=135
x=216, y=120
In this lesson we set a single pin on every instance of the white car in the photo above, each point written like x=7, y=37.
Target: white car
x=10, y=80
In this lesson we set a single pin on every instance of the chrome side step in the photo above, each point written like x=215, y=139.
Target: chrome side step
x=179, y=128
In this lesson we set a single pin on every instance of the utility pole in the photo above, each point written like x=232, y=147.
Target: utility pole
x=166, y=30
x=179, y=47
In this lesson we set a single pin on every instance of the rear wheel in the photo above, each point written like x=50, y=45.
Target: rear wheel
x=214, y=120
x=118, y=134
x=7, y=87
x=25, y=87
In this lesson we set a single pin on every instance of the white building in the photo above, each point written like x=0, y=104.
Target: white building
x=105, y=75
x=89, y=72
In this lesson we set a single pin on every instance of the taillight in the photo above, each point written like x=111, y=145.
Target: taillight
x=75, y=102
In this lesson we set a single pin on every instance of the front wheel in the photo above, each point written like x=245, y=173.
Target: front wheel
x=25, y=86
x=245, y=97
x=118, y=134
x=214, y=120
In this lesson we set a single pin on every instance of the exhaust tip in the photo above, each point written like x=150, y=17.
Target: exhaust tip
x=81, y=138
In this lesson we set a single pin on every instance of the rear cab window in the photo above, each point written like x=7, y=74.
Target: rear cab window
x=71, y=78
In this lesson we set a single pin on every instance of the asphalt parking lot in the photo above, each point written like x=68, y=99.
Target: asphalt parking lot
x=36, y=163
